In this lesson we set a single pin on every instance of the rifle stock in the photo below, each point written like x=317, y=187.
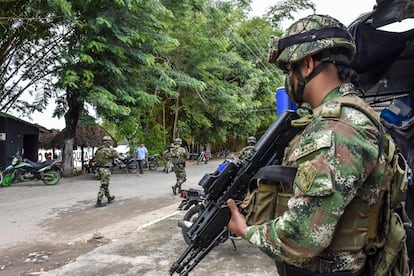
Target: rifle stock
x=231, y=180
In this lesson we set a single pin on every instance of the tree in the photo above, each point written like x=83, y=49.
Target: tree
x=108, y=59
x=28, y=54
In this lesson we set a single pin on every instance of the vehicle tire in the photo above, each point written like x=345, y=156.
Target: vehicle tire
x=132, y=168
x=51, y=177
x=153, y=165
x=191, y=216
x=8, y=179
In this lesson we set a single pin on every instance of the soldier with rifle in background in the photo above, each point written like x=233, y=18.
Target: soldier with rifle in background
x=178, y=157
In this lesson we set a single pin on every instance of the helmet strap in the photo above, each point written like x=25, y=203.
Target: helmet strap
x=298, y=94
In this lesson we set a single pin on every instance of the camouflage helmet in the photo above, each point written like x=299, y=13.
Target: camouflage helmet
x=178, y=141
x=251, y=140
x=107, y=139
x=314, y=34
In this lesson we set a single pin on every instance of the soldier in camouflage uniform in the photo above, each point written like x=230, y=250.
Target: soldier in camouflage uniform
x=178, y=157
x=251, y=141
x=104, y=156
x=339, y=168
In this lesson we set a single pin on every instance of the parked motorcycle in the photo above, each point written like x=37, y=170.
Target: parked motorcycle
x=26, y=170
x=203, y=157
x=126, y=162
x=195, y=202
x=153, y=162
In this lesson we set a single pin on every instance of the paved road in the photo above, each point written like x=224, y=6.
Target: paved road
x=141, y=226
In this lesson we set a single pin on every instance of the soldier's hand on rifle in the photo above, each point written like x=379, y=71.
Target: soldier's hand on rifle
x=237, y=223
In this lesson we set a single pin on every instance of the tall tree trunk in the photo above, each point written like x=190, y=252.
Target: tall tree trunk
x=71, y=120
x=163, y=122
x=177, y=106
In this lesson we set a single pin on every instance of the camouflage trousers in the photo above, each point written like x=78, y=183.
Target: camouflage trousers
x=105, y=175
x=180, y=175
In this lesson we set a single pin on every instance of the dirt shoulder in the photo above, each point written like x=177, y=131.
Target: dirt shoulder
x=72, y=233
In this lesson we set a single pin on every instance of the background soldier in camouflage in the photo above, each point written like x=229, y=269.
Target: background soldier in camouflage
x=251, y=141
x=339, y=168
x=104, y=156
x=178, y=156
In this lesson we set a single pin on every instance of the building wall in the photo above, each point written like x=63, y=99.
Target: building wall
x=17, y=136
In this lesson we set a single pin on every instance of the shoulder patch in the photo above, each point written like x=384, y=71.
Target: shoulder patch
x=331, y=109
x=305, y=176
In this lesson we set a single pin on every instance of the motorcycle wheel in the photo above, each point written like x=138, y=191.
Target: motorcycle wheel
x=51, y=177
x=8, y=179
x=191, y=216
x=153, y=165
x=132, y=168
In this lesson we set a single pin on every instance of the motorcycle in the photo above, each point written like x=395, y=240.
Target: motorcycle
x=194, y=201
x=26, y=170
x=126, y=162
x=203, y=157
x=153, y=162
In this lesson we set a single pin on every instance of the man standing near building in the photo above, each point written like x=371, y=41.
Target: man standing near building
x=104, y=157
x=141, y=154
x=179, y=156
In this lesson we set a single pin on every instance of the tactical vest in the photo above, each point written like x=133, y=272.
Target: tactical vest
x=361, y=225
x=103, y=156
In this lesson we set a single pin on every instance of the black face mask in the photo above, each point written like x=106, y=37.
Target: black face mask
x=297, y=95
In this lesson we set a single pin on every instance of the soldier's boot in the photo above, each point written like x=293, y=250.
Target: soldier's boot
x=110, y=199
x=173, y=189
x=99, y=203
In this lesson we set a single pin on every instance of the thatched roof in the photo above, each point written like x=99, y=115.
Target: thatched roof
x=46, y=137
x=86, y=136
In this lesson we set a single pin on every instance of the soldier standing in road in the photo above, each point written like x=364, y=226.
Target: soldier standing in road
x=340, y=165
x=179, y=156
x=104, y=156
x=251, y=141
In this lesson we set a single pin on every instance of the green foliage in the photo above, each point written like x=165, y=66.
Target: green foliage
x=28, y=55
x=286, y=9
x=151, y=69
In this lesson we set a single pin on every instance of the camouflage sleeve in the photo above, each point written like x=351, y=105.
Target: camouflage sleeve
x=183, y=154
x=333, y=160
x=114, y=154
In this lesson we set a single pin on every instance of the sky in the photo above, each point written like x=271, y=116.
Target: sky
x=345, y=11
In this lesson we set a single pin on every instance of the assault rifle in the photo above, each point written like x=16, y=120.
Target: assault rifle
x=231, y=180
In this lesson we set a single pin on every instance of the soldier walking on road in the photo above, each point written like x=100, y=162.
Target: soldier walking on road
x=104, y=156
x=179, y=156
